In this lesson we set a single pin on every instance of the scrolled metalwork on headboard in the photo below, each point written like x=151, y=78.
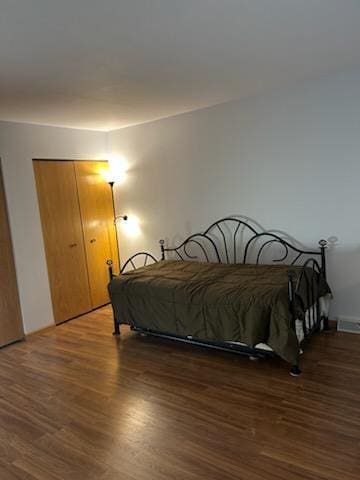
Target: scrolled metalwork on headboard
x=140, y=259
x=232, y=240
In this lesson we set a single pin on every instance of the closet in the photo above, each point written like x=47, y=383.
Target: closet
x=11, y=328
x=77, y=219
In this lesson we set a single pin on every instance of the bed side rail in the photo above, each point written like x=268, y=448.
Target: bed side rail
x=140, y=259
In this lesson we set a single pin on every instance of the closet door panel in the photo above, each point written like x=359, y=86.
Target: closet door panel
x=11, y=327
x=98, y=226
x=63, y=238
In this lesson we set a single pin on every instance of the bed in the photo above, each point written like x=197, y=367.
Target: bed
x=231, y=287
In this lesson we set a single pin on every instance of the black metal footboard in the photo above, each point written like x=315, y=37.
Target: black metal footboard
x=140, y=259
x=304, y=295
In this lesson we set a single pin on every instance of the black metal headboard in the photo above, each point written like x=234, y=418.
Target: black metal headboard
x=231, y=240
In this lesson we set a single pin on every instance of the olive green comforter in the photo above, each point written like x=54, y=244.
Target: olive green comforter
x=238, y=303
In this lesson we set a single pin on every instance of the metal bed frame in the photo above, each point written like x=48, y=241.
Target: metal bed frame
x=225, y=241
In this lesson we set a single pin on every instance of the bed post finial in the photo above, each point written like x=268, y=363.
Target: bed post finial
x=323, y=246
x=162, y=248
x=109, y=263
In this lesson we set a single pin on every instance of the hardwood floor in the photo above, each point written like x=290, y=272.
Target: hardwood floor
x=79, y=404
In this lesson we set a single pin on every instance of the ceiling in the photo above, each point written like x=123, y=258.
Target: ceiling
x=106, y=64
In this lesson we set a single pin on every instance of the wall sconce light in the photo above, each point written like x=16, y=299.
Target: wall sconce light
x=118, y=217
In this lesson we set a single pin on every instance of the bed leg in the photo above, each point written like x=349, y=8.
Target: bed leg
x=116, y=331
x=295, y=371
x=326, y=325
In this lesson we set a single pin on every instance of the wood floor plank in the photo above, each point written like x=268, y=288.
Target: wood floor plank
x=76, y=402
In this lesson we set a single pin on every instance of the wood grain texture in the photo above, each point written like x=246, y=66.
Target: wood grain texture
x=98, y=226
x=78, y=403
x=11, y=326
x=63, y=238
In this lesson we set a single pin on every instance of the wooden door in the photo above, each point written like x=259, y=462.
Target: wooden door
x=98, y=225
x=63, y=238
x=11, y=327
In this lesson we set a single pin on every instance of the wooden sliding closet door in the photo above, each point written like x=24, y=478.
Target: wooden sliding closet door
x=11, y=328
x=63, y=238
x=98, y=225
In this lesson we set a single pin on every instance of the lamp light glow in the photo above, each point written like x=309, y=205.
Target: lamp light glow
x=118, y=167
x=131, y=227
x=108, y=176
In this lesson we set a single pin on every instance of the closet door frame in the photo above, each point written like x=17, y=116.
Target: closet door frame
x=74, y=161
x=11, y=328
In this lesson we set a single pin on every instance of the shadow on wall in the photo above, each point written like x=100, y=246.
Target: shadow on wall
x=225, y=233
x=179, y=238
x=189, y=230
x=344, y=279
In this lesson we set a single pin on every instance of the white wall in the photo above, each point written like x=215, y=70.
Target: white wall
x=19, y=144
x=290, y=160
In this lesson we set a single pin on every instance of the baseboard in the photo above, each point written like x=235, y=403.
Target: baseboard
x=11, y=342
x=348, y=324
x=40, y=330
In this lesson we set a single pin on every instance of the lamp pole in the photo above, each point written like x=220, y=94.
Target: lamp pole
x=111, y=183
